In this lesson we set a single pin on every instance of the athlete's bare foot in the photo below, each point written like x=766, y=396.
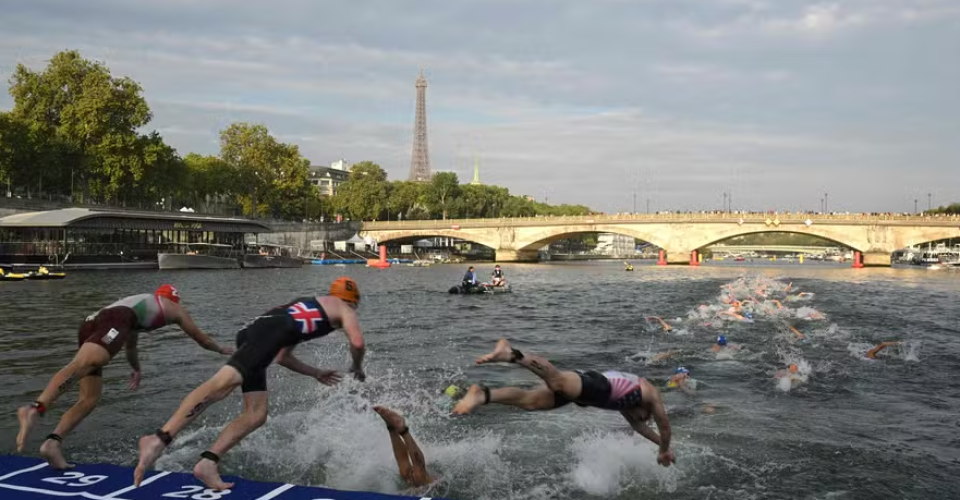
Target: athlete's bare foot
x=51, y=451
x=503, y=352
x=471, y=401
x=209, y=472
x=391, y=418
x=150, y=449
x=27, y=415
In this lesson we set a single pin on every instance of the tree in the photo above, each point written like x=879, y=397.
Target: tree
x=407, y=198
x=443, y=190
x=251, y=152
x=364, y=195
x=89, y=116
x=291, y=187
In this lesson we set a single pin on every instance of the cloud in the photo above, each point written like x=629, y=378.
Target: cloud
x=772, y=100
x=817, y=21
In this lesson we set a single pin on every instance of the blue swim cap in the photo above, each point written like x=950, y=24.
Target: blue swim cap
x=682, y=370
x=721, y=340
x=749, y=315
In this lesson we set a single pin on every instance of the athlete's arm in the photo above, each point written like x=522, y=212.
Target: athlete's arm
x=872, y=354
x=642, y=428
x=186, y=323
x=131, y=347
x=287, y=360
x=351, y=326
x=663, y=423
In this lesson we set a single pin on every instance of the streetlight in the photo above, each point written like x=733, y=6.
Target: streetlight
x=826, y=201
x=915, y=210
x=929, y=203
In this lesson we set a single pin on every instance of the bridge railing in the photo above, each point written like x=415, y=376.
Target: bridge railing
x=665, y=217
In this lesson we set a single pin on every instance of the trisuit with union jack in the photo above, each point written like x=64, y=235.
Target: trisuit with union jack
x=270, y=337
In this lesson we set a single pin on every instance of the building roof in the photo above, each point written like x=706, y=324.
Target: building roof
x=83, y=218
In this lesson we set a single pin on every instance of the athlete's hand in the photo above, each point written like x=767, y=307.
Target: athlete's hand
x=358, y=374
x=666, y=458
x=329, y=377
x=226, y=350
x=134, y=380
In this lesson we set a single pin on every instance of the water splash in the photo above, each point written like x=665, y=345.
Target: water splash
x=606, y=464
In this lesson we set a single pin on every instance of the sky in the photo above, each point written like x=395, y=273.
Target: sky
x=615, y=104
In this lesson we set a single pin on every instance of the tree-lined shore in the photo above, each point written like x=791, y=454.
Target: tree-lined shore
x=77, y=133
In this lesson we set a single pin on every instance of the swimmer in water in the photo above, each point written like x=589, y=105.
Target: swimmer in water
x=872, y=353
x=101, y=337
x=800, y=336
x=734, y=311
x=663, y=323
x=679, y=380
x=722, y=345
x=271, y=337
x=410, y=460
x=635, y=398
x=663, y=356
x=792, y=372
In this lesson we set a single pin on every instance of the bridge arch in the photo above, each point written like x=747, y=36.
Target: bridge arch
x=930, y=235
x=532, y=241
x=774, y=231
x=407, y=234
x=838, y=235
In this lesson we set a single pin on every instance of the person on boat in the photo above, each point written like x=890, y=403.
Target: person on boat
x=410, y=460
x=872, y=353
x=271, y=336
x=497, y=278
x=469, y=279
x=634, y=397
x=101, y=336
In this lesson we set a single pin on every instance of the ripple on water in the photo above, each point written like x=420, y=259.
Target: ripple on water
x=855, y=428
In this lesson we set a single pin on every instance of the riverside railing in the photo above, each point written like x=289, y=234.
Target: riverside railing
x=772, y=218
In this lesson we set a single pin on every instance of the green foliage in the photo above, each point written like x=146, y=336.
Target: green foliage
x=364, y=195
x=953, y=208
x=444, y=189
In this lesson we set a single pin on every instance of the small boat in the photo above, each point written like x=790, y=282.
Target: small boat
x=5, y=276
x=480, y=288
x=268, y=255
x=44, y=274
x=199, y=256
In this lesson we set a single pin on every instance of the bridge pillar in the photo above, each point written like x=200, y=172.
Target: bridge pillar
x=517, y=256
x=876, y=259
x=679, y=258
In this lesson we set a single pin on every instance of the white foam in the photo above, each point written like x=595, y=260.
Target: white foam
x=605, y=464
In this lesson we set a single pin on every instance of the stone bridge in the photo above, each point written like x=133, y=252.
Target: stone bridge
x=518, y=239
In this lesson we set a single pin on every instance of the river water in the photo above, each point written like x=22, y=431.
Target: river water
x=848, y=428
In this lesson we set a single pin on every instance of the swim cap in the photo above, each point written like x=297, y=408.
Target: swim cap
x=793, y=368
x=748, y=315
x=452, y=391
x=682, y=370
x=721, y=340
x=345, y=289
x=169, y=292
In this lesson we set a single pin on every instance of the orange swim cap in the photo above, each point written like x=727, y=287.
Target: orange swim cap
x=169, y=292
x=793, y=368
x=346, y=289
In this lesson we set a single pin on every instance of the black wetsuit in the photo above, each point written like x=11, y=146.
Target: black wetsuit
x=283, y=326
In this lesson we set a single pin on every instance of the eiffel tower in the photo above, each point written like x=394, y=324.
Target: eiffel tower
x=420, y=159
